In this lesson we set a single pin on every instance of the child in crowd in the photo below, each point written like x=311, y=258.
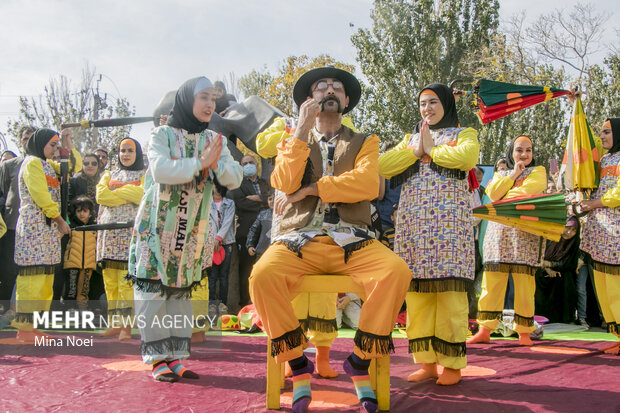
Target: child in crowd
x=222, y=217
x=259, y=235
x=80, y=257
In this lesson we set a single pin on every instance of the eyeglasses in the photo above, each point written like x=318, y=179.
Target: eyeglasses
x=93, y=163
x=322, y=86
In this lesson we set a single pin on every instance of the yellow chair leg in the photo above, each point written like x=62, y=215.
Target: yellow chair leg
x=274, y=372
x=383, y=382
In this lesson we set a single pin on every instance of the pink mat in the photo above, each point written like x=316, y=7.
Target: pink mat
x=108, y=377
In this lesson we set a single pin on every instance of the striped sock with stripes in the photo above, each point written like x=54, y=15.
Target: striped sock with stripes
x=178, y=369
x=161, y=372
x=302, y=371
x=357, y=369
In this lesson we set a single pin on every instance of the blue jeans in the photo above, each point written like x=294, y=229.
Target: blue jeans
x=582, y=292
x=220, y=273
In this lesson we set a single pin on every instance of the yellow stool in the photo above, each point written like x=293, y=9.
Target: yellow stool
x=379, y=370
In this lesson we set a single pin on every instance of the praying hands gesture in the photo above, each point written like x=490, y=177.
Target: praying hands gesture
x=426, y=142
x=210, y=154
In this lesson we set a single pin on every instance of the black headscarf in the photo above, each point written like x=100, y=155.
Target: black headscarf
x=615, y=131
x=38, y=140
x=450, y=117
x=138, y=164
x=510, y=163
x=182, y=114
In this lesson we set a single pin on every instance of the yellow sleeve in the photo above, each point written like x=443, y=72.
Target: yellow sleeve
x=397, y=160
x=2, y=227
x=35, y=181
x=267, y=141
x=611, y=198
x=290, y=165
x=105, y=196
x=131, y=193
x=349, y=124
x=359, y=184
x=535, y=183
x=463, y=156
x=498, y=186
x=78, y=163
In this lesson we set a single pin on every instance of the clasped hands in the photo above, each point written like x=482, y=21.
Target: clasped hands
x=426, y=143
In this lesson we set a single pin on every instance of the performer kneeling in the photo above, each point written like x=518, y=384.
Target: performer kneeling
x=170, y=235
x=328, y=175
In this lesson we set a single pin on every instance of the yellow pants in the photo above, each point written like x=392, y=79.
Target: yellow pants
x=318, y=312
x=119, y=292
x=608, y=294
x=33, y=293
x=200, y=306
x=276, y=277
x=437, y=327
x=491, y=304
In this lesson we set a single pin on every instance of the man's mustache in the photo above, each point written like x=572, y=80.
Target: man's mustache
x=328, y=98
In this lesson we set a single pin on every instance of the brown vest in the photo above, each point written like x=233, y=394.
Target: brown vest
x=299, y=214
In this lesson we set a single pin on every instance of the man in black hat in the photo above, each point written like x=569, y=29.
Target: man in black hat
x=327, y=174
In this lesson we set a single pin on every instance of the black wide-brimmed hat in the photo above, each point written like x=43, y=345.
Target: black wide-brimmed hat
x=352, y=86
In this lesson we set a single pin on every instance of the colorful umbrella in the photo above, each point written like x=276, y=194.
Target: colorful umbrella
x=498, y=99
x=543, y=214
x=580, y=167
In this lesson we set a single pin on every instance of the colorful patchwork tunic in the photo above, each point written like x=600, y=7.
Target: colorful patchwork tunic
x=37, y=240
x=508, y=249
x=170, y=234
x=119, y=193
x=601, y=233
x=434, y=225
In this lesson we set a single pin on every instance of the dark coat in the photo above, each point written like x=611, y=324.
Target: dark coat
x=246, y=209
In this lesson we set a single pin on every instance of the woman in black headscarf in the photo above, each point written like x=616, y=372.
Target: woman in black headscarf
x=601, y=233
x=119, y=193
x=37, y=244
x=511, y=251
x=170, y=234
x=434, y=232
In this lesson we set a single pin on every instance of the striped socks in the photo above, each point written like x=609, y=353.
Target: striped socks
x=161, y=372
x=357, y=369
x=178, y=369
x=302, y=371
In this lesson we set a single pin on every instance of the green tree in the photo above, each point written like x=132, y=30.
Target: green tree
x=62, y=103
x=277, y=89
x=413, y=43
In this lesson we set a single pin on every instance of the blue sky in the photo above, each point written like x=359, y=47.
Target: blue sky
x=146, y=48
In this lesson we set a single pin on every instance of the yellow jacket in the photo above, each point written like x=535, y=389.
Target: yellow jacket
x=501, y=187
x=267, y=141
x=119, y=196
x=463, y=155
x=81, y=250
x=37, y=183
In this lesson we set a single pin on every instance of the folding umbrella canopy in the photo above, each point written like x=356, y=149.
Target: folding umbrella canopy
x=498, y=99
x=103, y=123
x=542, y=214
x=580, y=167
